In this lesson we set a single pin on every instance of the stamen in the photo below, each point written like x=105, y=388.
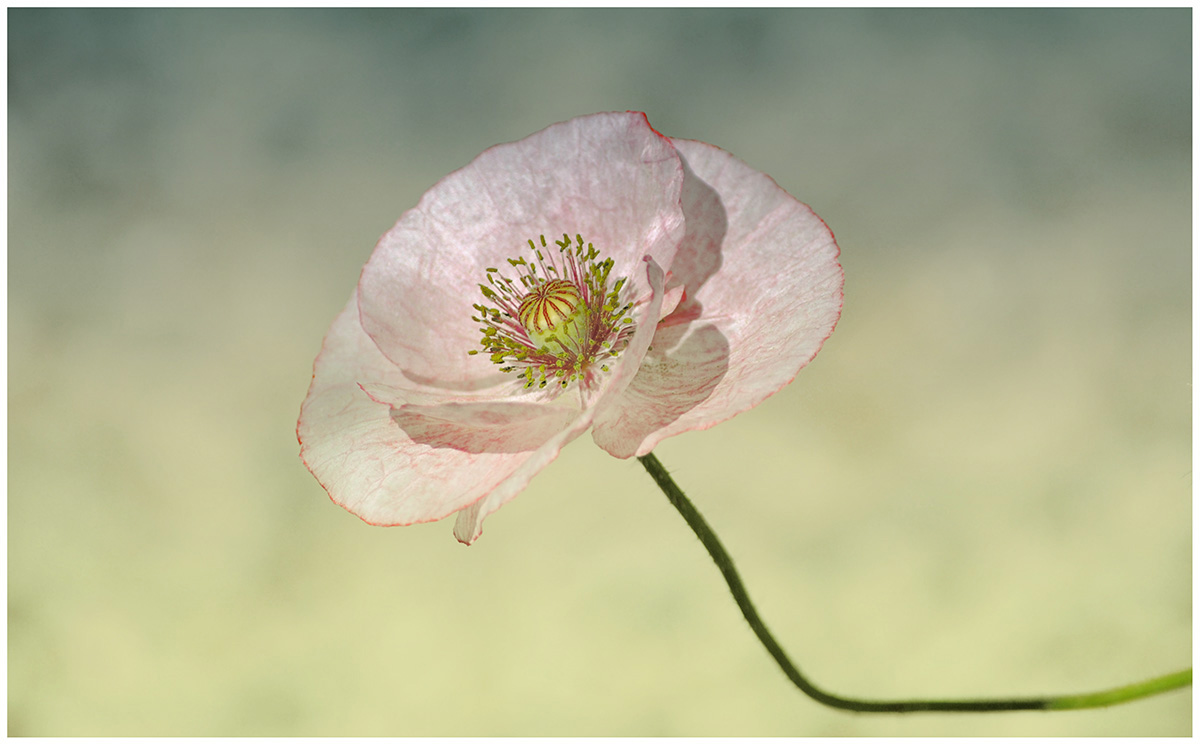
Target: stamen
x=558, y=319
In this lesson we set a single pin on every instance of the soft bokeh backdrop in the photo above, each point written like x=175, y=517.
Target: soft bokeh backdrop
x=981, y=487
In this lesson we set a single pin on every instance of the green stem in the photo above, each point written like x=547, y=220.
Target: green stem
x=1122, y=694
x=725, y=564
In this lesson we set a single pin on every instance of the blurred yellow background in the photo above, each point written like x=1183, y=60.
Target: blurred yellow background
x=981, y=487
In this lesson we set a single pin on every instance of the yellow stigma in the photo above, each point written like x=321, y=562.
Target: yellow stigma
x=554, y=313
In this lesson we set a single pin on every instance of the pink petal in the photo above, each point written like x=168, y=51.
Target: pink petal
x=469, y=524
x=401, y=465
x=608, y=177
x=763, y=292
x=646, y=318
x=494, y=427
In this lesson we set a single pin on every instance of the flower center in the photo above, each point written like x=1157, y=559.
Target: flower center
x=554, y=313
x=559, y=321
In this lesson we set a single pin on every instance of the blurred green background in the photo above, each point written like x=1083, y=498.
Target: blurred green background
x=981, y=487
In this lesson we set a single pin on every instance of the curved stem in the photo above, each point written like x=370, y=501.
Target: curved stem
x=725, y=564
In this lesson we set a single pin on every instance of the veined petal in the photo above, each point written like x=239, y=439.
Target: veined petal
x=397, y=464
x=469, y=524
x=608, y=177
x=402, y=425
x=763, y=292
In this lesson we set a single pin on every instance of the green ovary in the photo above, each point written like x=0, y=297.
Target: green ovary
x=555, y=314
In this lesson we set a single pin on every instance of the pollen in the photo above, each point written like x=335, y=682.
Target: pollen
x=560, y=320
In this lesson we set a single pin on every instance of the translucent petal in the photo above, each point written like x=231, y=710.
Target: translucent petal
x=763, y=292
x=469, y=524
x=404, y=464
x=402, y=426
x=608, y=177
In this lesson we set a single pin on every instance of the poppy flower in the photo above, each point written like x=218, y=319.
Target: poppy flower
x=596, y=274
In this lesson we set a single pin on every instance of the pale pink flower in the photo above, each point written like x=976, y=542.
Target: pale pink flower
x=595, y=274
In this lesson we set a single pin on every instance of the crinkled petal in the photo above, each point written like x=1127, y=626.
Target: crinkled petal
x=608, y=177
x=763, y=292
x=398, y=464
x=469, y=524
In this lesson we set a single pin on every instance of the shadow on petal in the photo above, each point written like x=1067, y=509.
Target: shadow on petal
x=496, y=427
x=688, y=357
x=480, y=383
x=699, y=257
x=677, y=375
x=692, y=360
x=686, y=360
